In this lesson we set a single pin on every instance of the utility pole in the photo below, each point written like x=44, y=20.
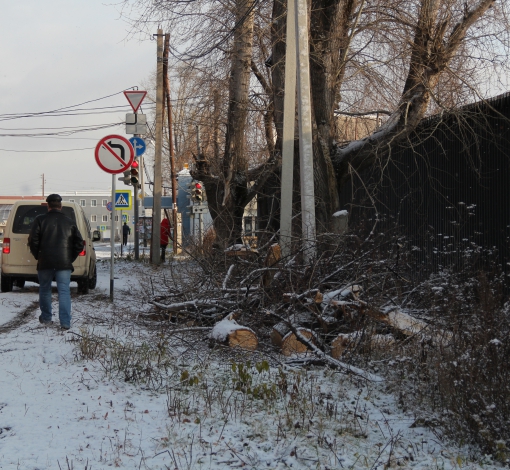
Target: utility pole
x=305, y=134
x=156, y=207
x=42, y=185
x=173, y=176
x=289, y=122
x=297, y=57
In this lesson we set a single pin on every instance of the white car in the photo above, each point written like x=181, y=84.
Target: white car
x=18, y=263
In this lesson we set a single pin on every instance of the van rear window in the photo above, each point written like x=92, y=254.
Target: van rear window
x=25, y=216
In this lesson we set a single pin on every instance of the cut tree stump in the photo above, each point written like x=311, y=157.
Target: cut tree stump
x=341, y=343
x=282, y=337
x=291, y=345
x=228, y=331
x=348, y=340
x=243, y=338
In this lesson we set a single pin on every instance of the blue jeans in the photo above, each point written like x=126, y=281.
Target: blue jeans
x=63, y=278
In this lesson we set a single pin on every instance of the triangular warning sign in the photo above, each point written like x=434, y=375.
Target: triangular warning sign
x=135, y=98
x=121, y=201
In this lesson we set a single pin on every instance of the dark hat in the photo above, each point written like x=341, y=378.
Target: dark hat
x=54, y=198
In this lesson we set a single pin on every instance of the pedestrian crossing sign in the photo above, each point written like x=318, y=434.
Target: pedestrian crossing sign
x=122, y=199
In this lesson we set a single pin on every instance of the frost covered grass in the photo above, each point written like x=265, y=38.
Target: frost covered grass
x=463, y=386
x=224, y=408
x=260, y=415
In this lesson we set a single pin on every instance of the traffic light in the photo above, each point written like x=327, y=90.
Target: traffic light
x=134, y=173
x=126, y=179
x=198, y=193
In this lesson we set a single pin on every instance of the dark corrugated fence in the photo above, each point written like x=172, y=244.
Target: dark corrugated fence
x=447, y=189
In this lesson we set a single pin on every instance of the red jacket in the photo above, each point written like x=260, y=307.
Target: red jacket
x=165, y=232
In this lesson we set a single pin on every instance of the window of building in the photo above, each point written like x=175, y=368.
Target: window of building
x=105, y=218
x=248, y=227
x=116, y=218
x=93, y=218
x=82, y=202
x=105, y=201
x=93, y=202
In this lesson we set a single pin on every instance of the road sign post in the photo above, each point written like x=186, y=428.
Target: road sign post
x=135, y=98
x=136, y=123
x=112, y=242
x=123, y=200
x=114, y=154
x=139, y=145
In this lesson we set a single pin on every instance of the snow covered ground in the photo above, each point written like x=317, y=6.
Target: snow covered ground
x=60, y=411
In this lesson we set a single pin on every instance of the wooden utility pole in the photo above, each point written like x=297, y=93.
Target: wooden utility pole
x=156, y=207
x=173, y=175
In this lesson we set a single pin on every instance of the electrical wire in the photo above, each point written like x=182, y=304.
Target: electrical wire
x=46, y=151
x=64, y=132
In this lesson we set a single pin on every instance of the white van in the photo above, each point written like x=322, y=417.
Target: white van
x=19, y=265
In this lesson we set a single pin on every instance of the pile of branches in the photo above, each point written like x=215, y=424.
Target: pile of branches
x=358, y=304
x=349, y=294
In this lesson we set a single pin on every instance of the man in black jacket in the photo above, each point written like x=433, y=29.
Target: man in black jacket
x=126, y=231
x=55, y=242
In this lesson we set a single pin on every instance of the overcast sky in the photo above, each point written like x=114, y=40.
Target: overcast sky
x=55, y=54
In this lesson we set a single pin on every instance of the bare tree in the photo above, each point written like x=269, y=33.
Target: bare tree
x=406, y=58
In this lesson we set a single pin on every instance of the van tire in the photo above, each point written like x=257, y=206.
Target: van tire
x=20, y=282
x=93, y=279
x=83, y=286
x=5, y=283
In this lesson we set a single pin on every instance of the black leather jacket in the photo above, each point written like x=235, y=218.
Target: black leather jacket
x=55, y=241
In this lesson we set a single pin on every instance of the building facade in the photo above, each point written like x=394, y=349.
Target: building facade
x=95, y=206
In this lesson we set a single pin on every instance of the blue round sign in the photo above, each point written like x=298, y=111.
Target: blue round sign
x=139, y=145
x=109, y=206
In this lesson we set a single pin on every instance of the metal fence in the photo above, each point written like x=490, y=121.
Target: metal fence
x=446, y=190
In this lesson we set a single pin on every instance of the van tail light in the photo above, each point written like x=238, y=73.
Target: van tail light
x=6, y=247
x=84, y=251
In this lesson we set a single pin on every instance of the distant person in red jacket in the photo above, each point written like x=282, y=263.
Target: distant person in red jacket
x=164, y=237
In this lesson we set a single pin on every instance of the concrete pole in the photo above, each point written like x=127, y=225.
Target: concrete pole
x=156, y=208
x=305, y=134
x=289, y=120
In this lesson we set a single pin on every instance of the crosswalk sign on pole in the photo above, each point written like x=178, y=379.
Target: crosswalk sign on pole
x=123, y=200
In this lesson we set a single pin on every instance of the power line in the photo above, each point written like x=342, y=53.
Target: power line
x=45, y=151
x=40, y=128
x=64, y=132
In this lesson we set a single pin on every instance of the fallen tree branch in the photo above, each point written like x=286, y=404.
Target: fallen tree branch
x=407, y=325
x=191, y=303
x=328, y=359
x=191, y=328
x=227, y=277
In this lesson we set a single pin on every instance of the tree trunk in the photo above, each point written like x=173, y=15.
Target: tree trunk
x=227, y=194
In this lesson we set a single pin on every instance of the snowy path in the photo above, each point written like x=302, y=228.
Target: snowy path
x=58, y=411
